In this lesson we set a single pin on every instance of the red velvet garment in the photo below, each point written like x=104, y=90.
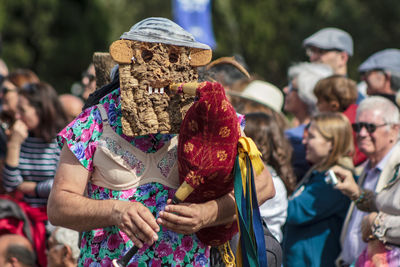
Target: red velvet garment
x=37, y=218
x=207, y=149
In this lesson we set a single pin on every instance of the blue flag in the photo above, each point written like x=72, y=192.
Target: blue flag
x=195, y=17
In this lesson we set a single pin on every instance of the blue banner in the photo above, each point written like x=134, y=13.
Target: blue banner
x=195, y=17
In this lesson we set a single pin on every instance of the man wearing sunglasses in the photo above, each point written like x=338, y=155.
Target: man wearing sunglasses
x=377, y=130
x=89, y=81
x=381, y=72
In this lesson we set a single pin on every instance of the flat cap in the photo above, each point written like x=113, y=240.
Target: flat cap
x=331, y=38
x=162, y=30
x=387, y=59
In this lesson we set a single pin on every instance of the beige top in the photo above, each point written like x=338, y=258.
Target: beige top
x=120, y=166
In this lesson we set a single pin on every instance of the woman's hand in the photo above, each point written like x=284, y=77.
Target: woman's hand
x=366, y=225
x=137, y=222
x=184, y=218
x=18, y=132
x=346, y=183
x=28, y=188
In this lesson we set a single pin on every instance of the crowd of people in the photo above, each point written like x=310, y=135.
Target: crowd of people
x=77, y=190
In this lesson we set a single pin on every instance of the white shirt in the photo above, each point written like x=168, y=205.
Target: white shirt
x=274, y=210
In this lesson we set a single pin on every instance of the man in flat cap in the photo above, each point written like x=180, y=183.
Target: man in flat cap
x=330, y=46
x=381, y=72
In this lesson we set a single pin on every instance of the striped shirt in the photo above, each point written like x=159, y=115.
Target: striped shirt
x=38, y=162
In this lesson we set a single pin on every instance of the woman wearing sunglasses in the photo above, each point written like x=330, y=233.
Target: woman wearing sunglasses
x=316, y=210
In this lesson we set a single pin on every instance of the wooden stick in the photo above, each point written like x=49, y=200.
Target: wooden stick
x=188, y=88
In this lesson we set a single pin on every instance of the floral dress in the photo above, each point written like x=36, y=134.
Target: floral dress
x=100, y=246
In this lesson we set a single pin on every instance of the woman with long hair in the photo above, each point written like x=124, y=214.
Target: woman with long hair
x=276, y=154
x=316, y=210
x=33, y=153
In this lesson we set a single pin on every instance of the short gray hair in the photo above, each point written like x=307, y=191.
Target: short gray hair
x=390, y=113
x=69, y=238
x=308, y=74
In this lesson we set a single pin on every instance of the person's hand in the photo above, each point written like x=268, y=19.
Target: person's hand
x=137, y=222
x=28, y=188
x=346, y=183
x=366, y=225
x=18, y=133
x=183, y=218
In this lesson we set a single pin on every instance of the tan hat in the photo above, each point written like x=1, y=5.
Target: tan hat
x=264, y=93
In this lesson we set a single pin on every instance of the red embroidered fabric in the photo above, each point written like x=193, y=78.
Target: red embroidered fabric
x=207, y=150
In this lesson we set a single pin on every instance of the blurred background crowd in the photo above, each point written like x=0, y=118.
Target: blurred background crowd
x=317, y=82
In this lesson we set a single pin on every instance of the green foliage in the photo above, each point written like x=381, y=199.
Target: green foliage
x=269, y=33
x=57, y=38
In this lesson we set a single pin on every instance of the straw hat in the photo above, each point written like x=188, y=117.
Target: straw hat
x=264, y=93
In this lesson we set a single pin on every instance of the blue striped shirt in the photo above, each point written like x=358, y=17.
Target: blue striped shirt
x=38, y=162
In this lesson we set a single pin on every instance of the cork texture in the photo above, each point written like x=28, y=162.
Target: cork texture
x=154, y=65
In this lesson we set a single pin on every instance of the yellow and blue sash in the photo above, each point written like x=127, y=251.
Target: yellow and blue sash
x=251, y=248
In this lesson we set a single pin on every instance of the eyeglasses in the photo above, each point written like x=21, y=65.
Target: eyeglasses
x=310, y=51
x=90, y=77
x=370, y=127
x=365, y=76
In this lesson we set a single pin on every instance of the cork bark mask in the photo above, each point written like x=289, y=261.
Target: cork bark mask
x=146, y=71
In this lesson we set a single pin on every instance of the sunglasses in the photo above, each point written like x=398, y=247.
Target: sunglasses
x=30, y=88
x=5, y=90
x=370, y=127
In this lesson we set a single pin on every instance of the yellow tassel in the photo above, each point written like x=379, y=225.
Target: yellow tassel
x=227, y=254
x=247, y=145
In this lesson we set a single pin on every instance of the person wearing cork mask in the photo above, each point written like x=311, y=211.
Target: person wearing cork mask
x=129, y=126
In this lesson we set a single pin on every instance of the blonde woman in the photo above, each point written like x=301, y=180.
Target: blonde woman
x=316, y=210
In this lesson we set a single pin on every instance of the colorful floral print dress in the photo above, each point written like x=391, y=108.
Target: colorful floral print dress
x=100, y=246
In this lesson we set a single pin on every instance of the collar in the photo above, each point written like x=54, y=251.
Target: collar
x=381, y=164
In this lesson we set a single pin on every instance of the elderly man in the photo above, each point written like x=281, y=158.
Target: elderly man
x=63, y=248
x=381, y=72
x=377, y=128
x=330, y=46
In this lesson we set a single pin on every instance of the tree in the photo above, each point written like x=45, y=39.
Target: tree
x=57, y=38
